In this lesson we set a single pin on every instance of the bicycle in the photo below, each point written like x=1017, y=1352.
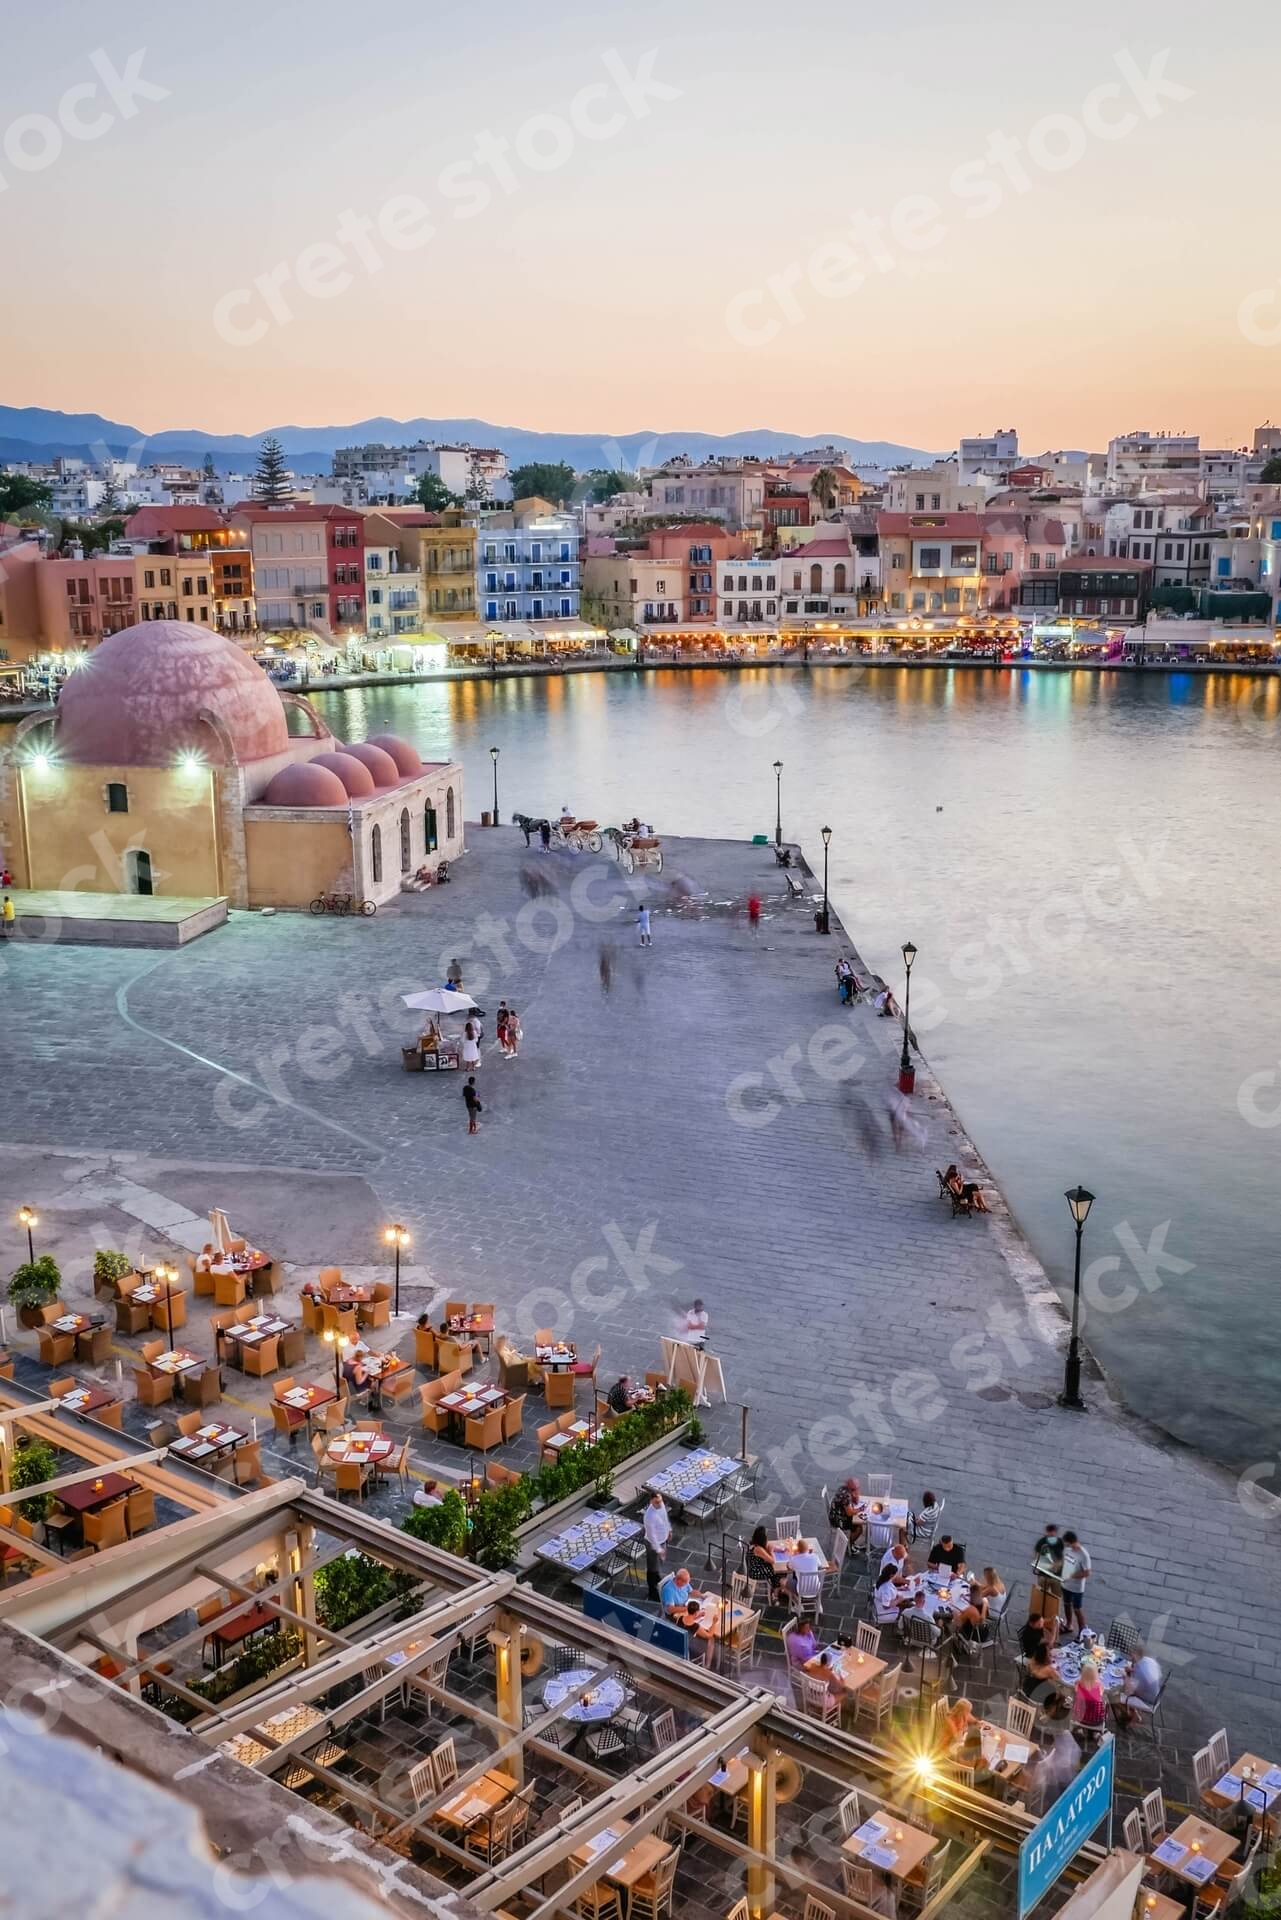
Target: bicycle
x=343, y=903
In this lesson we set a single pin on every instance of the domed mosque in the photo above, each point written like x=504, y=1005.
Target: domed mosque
x=169, y=767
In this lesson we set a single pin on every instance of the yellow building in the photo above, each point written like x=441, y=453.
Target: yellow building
x=168, y=768
x=446, y=561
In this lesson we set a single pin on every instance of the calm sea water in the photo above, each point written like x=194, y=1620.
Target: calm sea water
x=1088, y=867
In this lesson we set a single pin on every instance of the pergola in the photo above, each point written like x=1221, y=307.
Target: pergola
x=269, y=1547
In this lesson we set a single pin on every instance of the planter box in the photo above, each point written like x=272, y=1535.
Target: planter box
x=33, y=1317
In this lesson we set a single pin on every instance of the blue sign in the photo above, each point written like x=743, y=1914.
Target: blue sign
x=1066, y=1827
x=635, y=1623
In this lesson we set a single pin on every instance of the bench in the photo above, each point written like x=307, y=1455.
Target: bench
x=961, y=1201
x=795, y=885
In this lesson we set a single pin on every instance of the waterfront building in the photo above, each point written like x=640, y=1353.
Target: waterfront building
x=308, y=566
x=670, y=579
x=393, y=578
x=822, y=579
x=748, y=592
x=168, y=768
x=930, y=562
x=528, y=565
x=446, y=557
x=732, y=491
x=1100, y=586
x=1022, y=556
x=1173, y=531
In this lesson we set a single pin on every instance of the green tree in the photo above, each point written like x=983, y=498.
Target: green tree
x=110, y=503
x=604, y=483
x=17, y=492
x=210, y=471
x=1271, y=475
x=550, y=480
x=823, y=489
x=434, y=495
x=271, y=477
x=92, y=538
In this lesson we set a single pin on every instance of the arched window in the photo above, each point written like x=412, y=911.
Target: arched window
x=838, y=577
x=429, y=828
x=138, y=867
x=449, y=813
x=816, y=578
x=376, y=852
x=404, y=840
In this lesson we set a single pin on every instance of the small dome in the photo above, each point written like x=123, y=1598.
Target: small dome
x=305, y=784
x=407, y=757
x=384, y=769
x=137, y=699
x=357, y=780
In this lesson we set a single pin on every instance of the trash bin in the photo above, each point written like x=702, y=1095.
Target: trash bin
x=820, y=920
x=760, y=839
x=485, y=820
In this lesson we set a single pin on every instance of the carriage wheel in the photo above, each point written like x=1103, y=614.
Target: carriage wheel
x=594, y=842
x=628, y=859
x=658, y=861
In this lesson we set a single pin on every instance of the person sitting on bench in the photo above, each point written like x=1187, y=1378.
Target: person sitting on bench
x=967, y=1190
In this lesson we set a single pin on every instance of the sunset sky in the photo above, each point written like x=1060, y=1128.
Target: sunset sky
x=622, y=281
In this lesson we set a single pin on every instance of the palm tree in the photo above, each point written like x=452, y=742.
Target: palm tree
x=823, y=488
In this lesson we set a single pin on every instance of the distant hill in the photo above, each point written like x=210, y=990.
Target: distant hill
x=37, y=433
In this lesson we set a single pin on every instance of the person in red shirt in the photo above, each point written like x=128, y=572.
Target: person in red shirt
x=754, y=913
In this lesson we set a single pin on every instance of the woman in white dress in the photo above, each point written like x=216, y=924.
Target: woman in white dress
x=471, y=1048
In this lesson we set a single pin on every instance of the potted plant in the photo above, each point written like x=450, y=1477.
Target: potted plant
x=108, y=1268
x=33, y=1463
x=444, y=1526
x=34, y=1284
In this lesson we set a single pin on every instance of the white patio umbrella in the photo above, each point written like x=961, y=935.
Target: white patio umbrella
x=222, y=1235
x=440, y=1000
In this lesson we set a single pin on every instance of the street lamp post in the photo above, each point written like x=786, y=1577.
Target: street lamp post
x=906, y=1071
x=166, y=1276
x=396, y=1236
x=1079, y=1203
x=493, y=754
x=338, y=1341
x=823, y=923
x=778, y=821
x=28, y=1218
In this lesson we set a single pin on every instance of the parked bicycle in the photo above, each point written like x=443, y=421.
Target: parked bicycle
x=343, y=903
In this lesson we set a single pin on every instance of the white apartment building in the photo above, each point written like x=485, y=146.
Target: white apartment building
x=393, y=592
x=821, y=579
x=1139, y=461
x=937, y=489
x=992, y=454
x=728, y=490
x=530, y=570
x=747, y=593
x=1175, y=534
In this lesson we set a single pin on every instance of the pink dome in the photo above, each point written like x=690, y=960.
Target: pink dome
x=305, y=784
x=136, y=700
x=357, y=780
x=384, y=769
x=407, y=757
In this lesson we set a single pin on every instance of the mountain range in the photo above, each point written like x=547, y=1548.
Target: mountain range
x=38, y=433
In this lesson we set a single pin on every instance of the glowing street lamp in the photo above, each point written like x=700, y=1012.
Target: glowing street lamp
x=396, y=1236
x=340, y=1343
x=28, y=1218
x=1079, y=1203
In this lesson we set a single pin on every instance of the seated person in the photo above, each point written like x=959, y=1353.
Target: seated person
x=926, y=1521
x=354, y=1372
x=759, y=1564
x=1089, y=1703
x=891, y=1596
x=429, y=1038
x=423, y=1322
x=843, y=1508
x=205, y=1258
x=1041, y=1682
x=967, y=1190
x=804, y=1560
x=958, y=1723
x=945, y=1553
x=800, y=1642
x=429, y=1495
x=620, y=1395
x=990, y=1588
x=1142, y=1683
x=972, y=1614
x=675, y=1592
x=923, y=1606
x=895, y=1559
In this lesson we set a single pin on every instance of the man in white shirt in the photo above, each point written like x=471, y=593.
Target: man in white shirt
x=658, y=1531
x=1142, y=1684
x=1077, y=1568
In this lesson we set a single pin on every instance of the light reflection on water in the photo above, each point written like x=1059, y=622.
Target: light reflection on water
x=965, y=805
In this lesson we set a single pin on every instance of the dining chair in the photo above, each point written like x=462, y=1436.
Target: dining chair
x=484, y=1432
x=514, y=1417
x=879, y=1486
x=444, y=1764
x=435, y=1419
x=651, y=1895
x=558, y=1389
x=140, y=1510
x=867, y=1637
x=1154, y=1818
x=1020, y=1718
x=58, y=1387
x=293, y=1347
x=202, y=1386
x=816, y=1909
x=56, y=1349
x=260, y=1357
x=424, y=1346
x=320, y=1454
x=329, y=1277
x=246, y=1463
x=1218, y=1745
x=309, y=1313
x=1132, y=1832
x=455, y=1356
x=152, y=1389
x=111, y=1415
x=857, y=1882
x=229, y=1288
x=875, y=1703
x=152, y=1350
x=287, y=1420
x=201, y=1278
x=173, y=1304
x=376, y=1312
x=332, y=1417
x=815, y=1698
x=600, y=1901
x=131, y=1318
x=350, y=1477
x=106, y=1528
x=188, y=1424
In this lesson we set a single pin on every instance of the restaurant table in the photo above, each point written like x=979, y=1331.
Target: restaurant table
x=86, y=1397
x=76, y=1322
x=570, y=1436
x=348, y=1296
x=634, y=1864
x=890, y=1844
x=1113, y=1667
x=86, y=1496
x=243, y=1627
x=697, y=1473
x=477, y=1800
x=472, y=1402
x=785, y=1551
x=556, y=1358
x=1230, y=1791
x=379, y=1368
x=1193, y=1840
x=478, y=1326
x=884, y=1513
x=1151, y=1905
x=1003, y=1753
x=306, y=1399
x=208, y=1442
x=252, y=1333
x=177, y=1361
x=591, y=1538
x=282, y=1727
x=604, y=1696
x=852, y=1668
x=731, y=1779
x=360, y=1449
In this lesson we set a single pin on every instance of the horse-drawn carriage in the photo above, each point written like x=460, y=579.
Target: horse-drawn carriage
x=636, y=851
x=580, y=836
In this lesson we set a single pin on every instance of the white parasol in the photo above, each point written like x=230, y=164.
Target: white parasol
x=440, y=1000
x=222, y=1234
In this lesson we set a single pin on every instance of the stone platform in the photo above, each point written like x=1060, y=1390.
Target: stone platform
x=57, y=917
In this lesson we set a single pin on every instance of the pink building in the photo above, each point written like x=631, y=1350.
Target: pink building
x=1022, y=555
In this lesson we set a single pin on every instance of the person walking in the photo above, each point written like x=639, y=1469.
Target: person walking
x=1077, y=1568
x=642, y=926
x=754, y=912
x=472, y=1099
x=471, y=1045
x=455, y=975
x=658, y=1531
x=513, y=1033
x=8, y=916
x=500, y=1024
